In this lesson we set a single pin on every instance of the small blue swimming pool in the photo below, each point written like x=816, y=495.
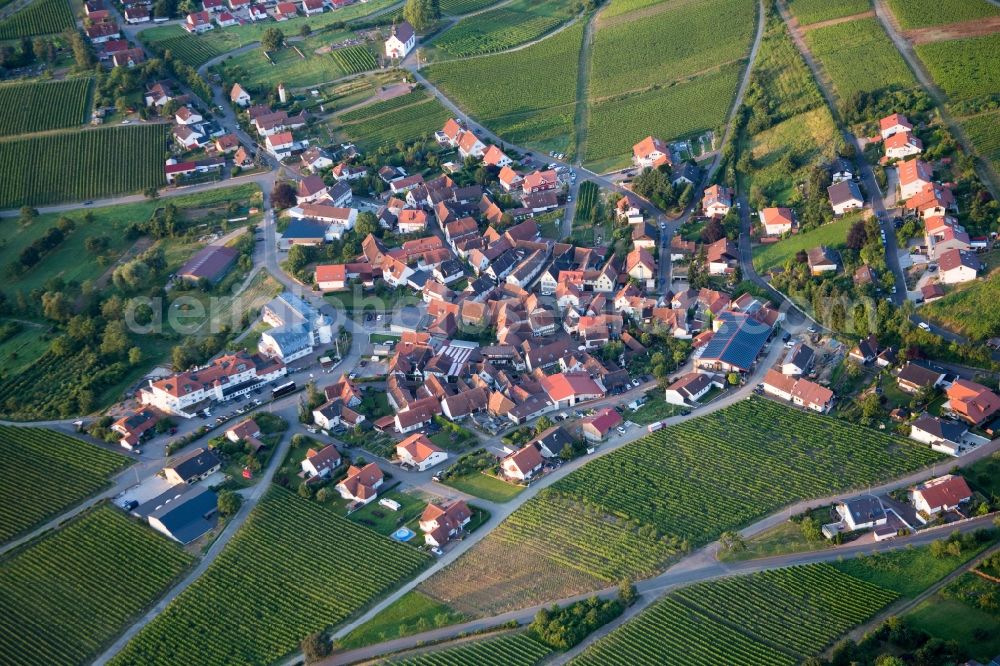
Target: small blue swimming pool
x=403, y=534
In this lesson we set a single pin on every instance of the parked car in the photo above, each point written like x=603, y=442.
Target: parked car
x=924, y=325
x=437, y=551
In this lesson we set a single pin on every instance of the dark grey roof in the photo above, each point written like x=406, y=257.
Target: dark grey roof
x=339, y=189
x=190, y=516
x=553, y=439
x=685, y=171
x=865, y=509
x=738, y=341
x=844, y=191
x=919, y=375
x=195, y=463
x=951, y=431
x=800, y=356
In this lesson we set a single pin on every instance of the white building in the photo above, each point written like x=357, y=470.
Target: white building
x=401, y=41
x=298, y=328
x=419, y=452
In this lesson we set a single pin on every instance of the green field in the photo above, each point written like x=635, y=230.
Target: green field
x=814, y=11
x=503, y=28
x=254, y=71
x=294, y=568
x=201, y=48
x=630, y=513
x=832, y=234
x=984, y=133
x=859, y=58
x=508, y=650
x=72, y=166
x=487, y=487
x=30, y=493
x=41, y=17
x=775, y=617
x=618, y=7
x=969, y=309
x=413, y=613
x=384, y=106
x=66, y=596
x=38, y=106
x=531, y=96
x=459, y=7
x=673, y=112
x=964, y=68
x=677, y=42
x=921, y=13
x=790, y=125
x=405, y=124
x=964, y=611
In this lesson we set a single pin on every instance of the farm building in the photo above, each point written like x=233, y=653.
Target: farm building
x=211, y=263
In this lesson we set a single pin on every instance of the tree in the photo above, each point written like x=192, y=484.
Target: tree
x=315, y=647
x=135, y=356
x=542, y=424
x=306, y=30
x=325, y=494
x=627, y=593
x=272, y=39
x=115, y=340
x=305, y=490
x=283, y=194
x=151, y=192
x=733, y=378
x=810, y=530
x=857, y=235
x=732, y=542
x=419, y=14
x=366, y=224
x=229, y=503
x=712, y=232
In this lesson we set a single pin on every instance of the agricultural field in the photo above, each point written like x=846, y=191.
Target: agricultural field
x=271, y=572
x=814, y=11
x=964, y=611
x=72, y=166
x=586, y=201
x=922, y=13
x=189, y=49
x=38, y=106
x=41, y=17
x=676, y=42
x=520, y=105
x=790, y=125
x=984, y=133
x=518, y=649
x=672, y=112
x=64, y=597
x=619, y=7
x=631, y=512
x=832, y=234
x=354, y=59
x=255, y=70
x=502, y=28
x=969, y=309
x=411, y=614
x=964, y=68
x=460, y=7
x=859, y=58
x=774, y=617
x=404, y=124
x=384, y=106
x=30, y=493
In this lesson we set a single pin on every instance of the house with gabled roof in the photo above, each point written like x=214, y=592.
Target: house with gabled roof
x=957, y=266
x=903, y=144
x=690, y=388
x=914, y=376
x=776, y=221
x=361, y=484
x=895, y=123
x=971, y=401
x=540, y=181
x=651, y=152
x=419, y=452
x=522, y=464
x=717, y=200
x=914, y=175
x=722, y=256
x=944, y=493
x=402, y=39
x=845, y=196
x=596, y=428
x=496, y=158
x=469, y=145
x=943, y=435
x=442, y=523
x=321, y=462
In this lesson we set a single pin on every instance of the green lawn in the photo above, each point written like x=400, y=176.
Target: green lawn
x=952, y=620
x=833, y=234
x=487, y=487
x=909, y=570
x=253, y=70
x=413, y=613
x=386, y=521
x=655, y=409
x=969, y=309
x=984, y=475
x=781, y=539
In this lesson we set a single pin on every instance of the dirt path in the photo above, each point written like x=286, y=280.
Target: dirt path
x=834, y=21
x=965, y=30
x=582, y=87
x=395, y=90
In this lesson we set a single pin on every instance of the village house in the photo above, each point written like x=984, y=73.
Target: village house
x=735, y=344
x=845, y=196
x=903, y=144
x=958, y=266
x=419, y=452
x=822, y=260
x=239, y=96
x=895, y=123
x=510, y=180
x=440, y=524
x=943, y=435
x=932, y=200
x=841, y=169
x=944, y=493
x=971, y=402
x=691, y=388
x=943, y=233
x=798, y=360
x=322, y=462
x=722, y=256
x=914, y=376
x=136, y=426
x=280, y=144
x=495, y=157
x=717, y=200
x=776, y=221
x=801, y=392
x=401, y=41
x=596, y=428
x=192, y=467
x=523, y=464
x=198, y=22
x=913, y=175
x=651, y=152
x=862, y=512
x=540, y=181
x=361, y=484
